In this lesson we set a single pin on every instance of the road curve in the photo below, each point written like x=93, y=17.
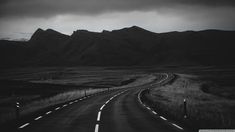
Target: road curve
x=124, y=114
x=116, y=111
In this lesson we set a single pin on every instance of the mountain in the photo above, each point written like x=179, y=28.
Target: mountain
x=124, y=47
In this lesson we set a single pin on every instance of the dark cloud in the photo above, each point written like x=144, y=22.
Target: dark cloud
x=47, y=8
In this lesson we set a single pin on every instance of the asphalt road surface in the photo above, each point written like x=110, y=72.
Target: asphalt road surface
x=114, y=111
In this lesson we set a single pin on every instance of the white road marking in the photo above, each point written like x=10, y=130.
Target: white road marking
x=98, y=117
x=76, y=101
x=96, y=127
x=65, y=105
x=80, y=99
x=163, y=118
x=48, y=112
x=154, y=112
x=26, y=124
x=102, y=107
x=99, y=113
x=38, y=118
x=177, y=126
x=57, y=108
x=71, y=103
x=107, y=102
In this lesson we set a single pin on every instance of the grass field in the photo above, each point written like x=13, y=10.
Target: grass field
x=209, y=93
x=39, y=88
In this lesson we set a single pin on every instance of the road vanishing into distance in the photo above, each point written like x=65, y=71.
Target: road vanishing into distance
x=113, y=111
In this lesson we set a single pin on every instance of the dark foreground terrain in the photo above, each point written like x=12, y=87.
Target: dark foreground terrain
x=49, y=98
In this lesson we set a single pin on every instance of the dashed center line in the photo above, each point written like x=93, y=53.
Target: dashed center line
x=107, y=102
x=26, y=124
x=96, y=127
x=177, y=126
x=98, y=117
x=101, y=108
x=163, y=118
x=154, y=112
x=48, y=112
x=148, y=108
x=38, y=118
x=57, y=108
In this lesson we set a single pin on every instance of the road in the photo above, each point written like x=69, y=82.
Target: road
x=114, y=111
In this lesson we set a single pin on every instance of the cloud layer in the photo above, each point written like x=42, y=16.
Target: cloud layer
x=20, y=18
x=48, y=8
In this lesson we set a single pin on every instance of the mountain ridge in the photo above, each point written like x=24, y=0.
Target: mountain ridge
x=124, y=47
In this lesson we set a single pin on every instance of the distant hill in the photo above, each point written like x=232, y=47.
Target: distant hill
x=124, y=47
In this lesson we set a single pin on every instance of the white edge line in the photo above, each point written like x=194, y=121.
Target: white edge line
x=96, y=127
x=177, y=126
x=26, y=124
x=148, y=108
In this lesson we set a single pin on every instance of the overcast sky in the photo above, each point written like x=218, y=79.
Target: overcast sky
x=20, y=18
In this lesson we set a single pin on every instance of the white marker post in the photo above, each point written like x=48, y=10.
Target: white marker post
x=17, y=112
x=185, y=101
x=185, y=109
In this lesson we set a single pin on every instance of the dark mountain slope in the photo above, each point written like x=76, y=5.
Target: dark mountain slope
x=128, y=46
x=45, y=47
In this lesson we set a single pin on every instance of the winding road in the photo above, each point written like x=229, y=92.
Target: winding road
x=114, y=111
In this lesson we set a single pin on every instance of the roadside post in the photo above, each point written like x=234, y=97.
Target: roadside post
x=185, y=85
x=85, y=92
x=17, y=112
x=17, y=106
x=185, y=109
